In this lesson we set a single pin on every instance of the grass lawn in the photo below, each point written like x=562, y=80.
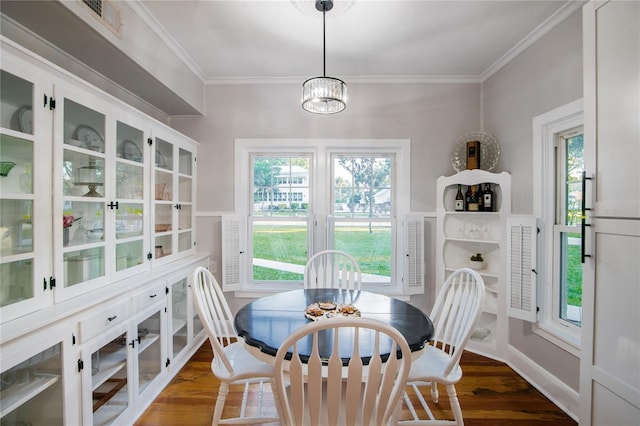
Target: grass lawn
x=288, y=243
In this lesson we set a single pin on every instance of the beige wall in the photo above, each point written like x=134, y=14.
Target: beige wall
x=544, y=77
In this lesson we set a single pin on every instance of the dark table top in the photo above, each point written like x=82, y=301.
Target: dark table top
x=266, y=322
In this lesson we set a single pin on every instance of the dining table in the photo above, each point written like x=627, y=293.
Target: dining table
x=266, y=322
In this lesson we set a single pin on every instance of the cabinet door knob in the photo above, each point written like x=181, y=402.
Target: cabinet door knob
x=112, y=318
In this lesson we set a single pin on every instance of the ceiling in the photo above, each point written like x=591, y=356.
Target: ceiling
x=366, y=40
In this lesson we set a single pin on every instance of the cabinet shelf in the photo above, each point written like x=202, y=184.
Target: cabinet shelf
x=473, y=241
x=109, y=365
x=178, y=324
x=147, y=341
x=108, y=412
x=483, y=273
x=19, y=393
x=466, y=215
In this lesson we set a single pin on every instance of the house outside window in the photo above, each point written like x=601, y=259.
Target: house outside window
x=296, y=198
x=558, y=165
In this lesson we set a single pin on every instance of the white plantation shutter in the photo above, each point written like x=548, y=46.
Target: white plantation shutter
x=413, y=227
x=231, y=253
x=521, y=278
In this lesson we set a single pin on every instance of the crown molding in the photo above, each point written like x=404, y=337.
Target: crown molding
x=369, y=79
x=143, y=13
x=560, y=15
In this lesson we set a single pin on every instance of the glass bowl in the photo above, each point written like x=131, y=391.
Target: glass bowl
x=5, y=167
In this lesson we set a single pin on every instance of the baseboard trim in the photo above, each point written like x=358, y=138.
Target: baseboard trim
x=550, y=386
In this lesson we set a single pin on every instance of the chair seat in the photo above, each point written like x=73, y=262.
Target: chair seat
x=245, y=365
x=431, y=366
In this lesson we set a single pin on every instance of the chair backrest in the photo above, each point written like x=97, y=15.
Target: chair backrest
x=456, y=311
x=215, y=315
x=315, y=389
x=332, y=269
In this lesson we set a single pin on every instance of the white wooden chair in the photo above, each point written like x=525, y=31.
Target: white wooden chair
x=332, y=269
x=321, y=391
x=231, y=363
x=455, y=313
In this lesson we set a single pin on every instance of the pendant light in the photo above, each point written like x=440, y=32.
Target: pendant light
x=324, y=95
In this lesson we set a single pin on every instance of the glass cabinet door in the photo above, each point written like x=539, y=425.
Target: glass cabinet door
x=179, y=316
x=164, y=205
x=83, y=201
x=173, y=200
x=25, y=207
x=31, y=392
x=105, y=375
x=150, y=354
x=185, y=202
x=130, y=249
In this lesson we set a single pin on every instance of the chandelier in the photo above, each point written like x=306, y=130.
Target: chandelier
x=324, y=95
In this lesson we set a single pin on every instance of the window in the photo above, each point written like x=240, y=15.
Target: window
x=278, y=223
x=567, y=234
x=558, y=165
x=361, y=211
x=294, y=199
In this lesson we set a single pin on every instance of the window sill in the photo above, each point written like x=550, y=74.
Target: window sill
x=560, y=336
x=249, y=293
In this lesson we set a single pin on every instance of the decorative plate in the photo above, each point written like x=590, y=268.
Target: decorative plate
x=130, y=151
x=89, y=137
x=489, y=151
x=25, y=119
x=160, y=160
x=323, y=310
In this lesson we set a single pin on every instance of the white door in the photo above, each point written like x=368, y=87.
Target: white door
x=610, y=357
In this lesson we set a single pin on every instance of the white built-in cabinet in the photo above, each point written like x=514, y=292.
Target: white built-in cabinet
x=82, y=172
x=97, y=249
x=610, y=352
x=462, y=234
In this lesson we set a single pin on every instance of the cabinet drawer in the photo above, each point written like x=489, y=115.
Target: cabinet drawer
x=104, y=320
x=148, y=297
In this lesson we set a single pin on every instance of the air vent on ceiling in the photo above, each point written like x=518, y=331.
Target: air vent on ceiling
x=106, y=12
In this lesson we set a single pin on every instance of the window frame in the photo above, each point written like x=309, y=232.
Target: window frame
x=321, y=152
x=547, y=129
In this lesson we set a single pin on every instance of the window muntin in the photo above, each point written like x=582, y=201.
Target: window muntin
x=567, y=233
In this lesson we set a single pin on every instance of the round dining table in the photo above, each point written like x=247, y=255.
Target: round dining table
x=265, y=322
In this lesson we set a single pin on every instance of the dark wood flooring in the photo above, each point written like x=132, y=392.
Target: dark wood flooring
x=490, y=393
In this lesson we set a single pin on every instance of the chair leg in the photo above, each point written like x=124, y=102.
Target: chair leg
x=455, y=405
x=222, y=396
x=434, y=392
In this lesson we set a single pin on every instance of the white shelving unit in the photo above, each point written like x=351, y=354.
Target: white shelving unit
x=74, y=288
x=463, y=234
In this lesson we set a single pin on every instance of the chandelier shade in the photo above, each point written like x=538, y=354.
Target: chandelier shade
x=324, y=95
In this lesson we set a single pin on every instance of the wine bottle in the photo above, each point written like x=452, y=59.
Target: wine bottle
x=473, y=199
x=467, y=198
x=459, y=203
x=487, y=197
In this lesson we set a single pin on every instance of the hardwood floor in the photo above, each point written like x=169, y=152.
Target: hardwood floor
x=490, y=393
